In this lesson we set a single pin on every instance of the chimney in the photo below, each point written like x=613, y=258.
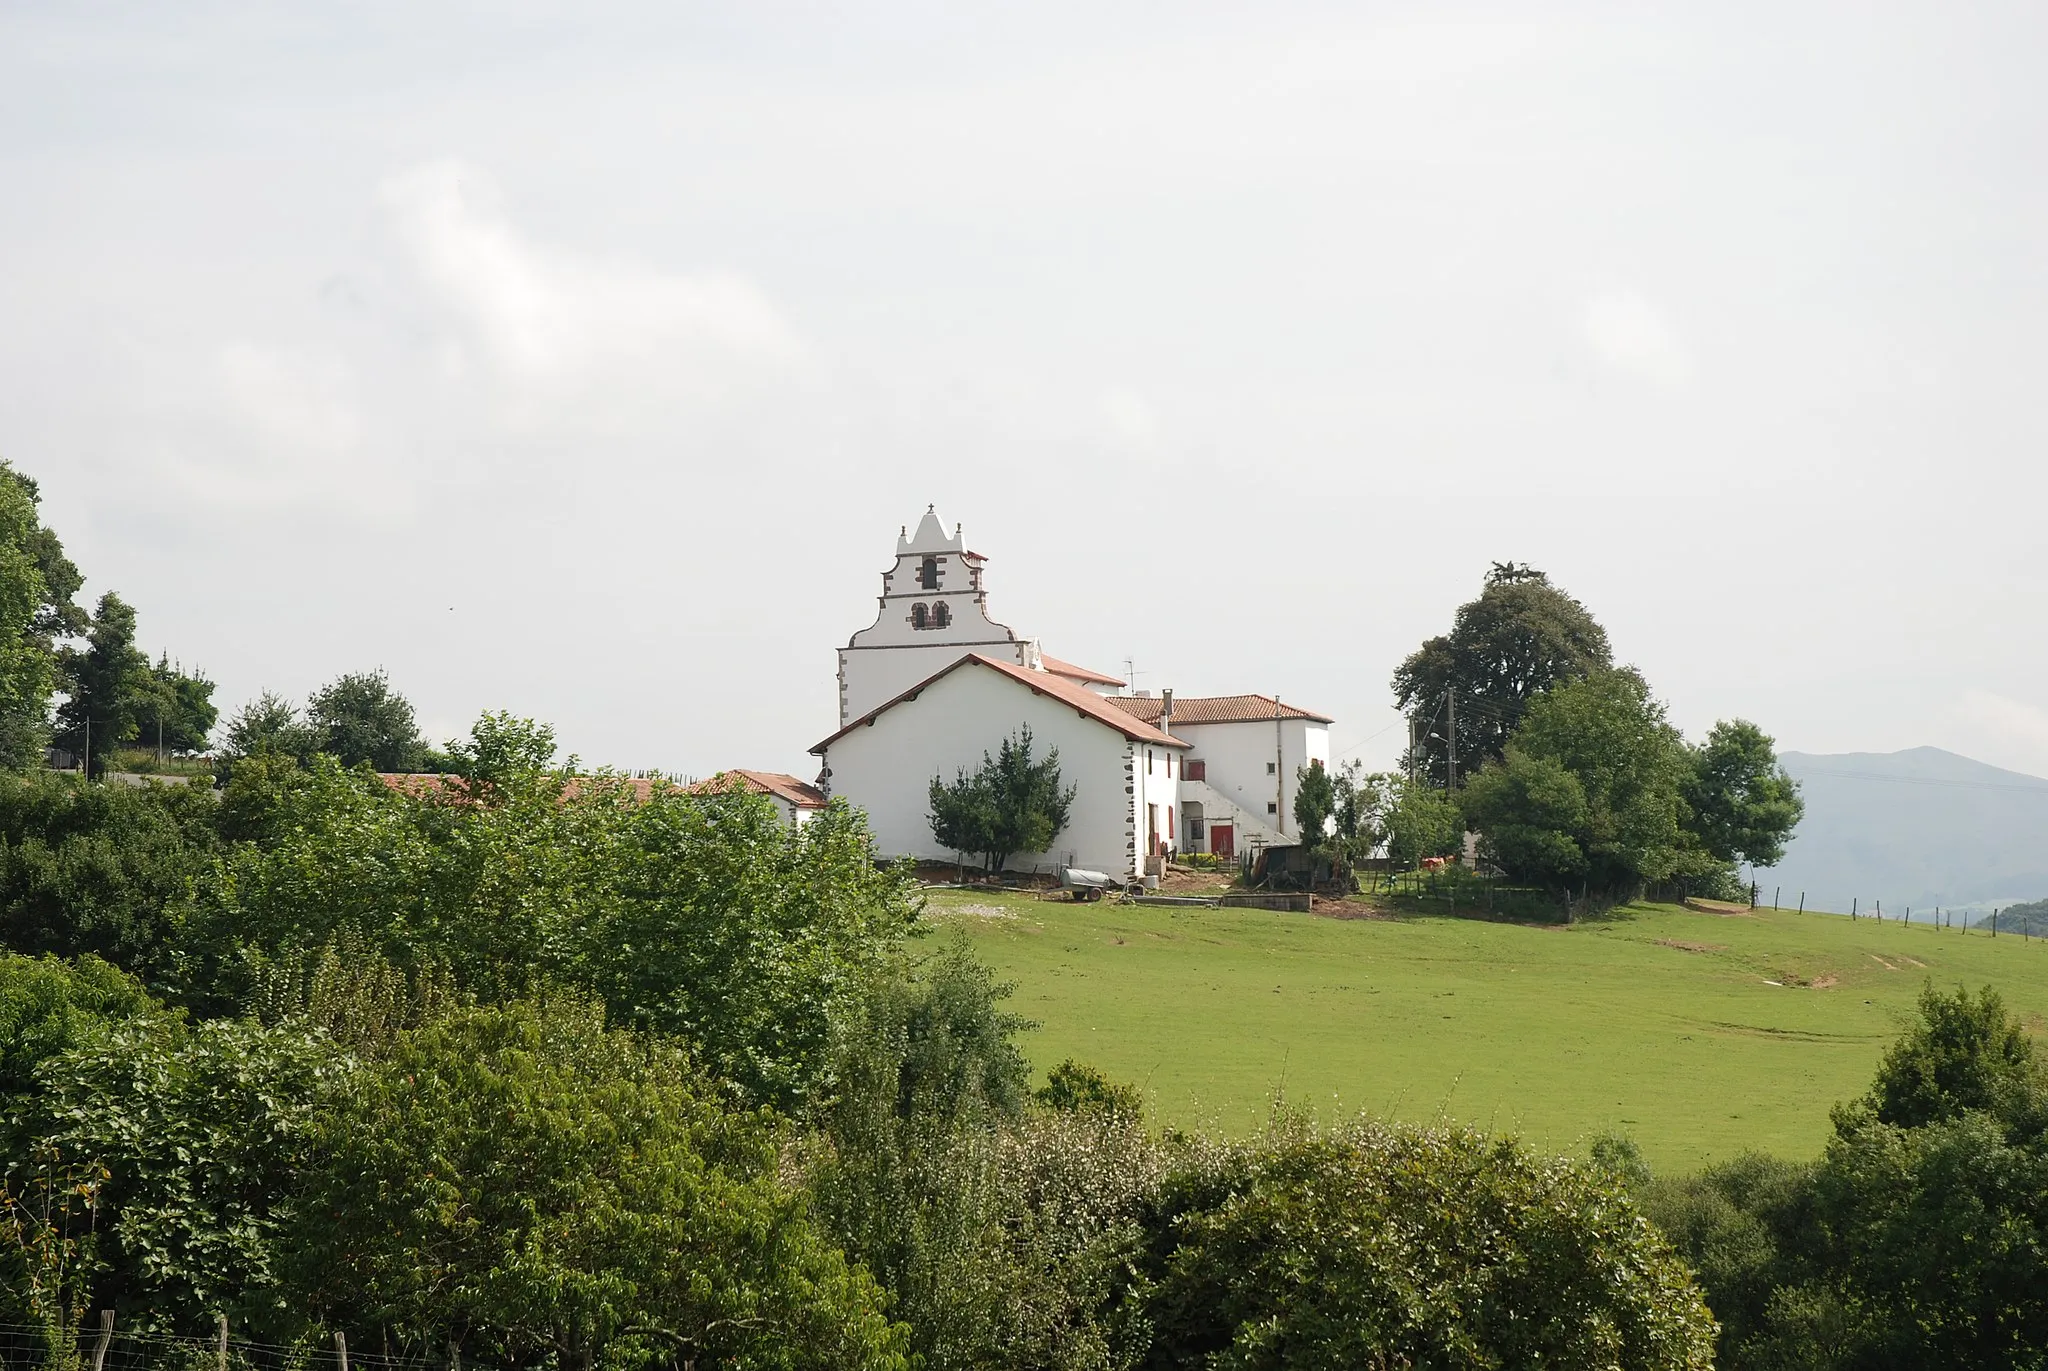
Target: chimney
x=1166, y=711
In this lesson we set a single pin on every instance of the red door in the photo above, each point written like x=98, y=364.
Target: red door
x=1223, y=840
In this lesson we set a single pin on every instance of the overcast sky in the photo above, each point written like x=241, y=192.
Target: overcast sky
x=584, y=361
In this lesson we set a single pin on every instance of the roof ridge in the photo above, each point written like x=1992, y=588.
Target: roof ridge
x=1086, y=702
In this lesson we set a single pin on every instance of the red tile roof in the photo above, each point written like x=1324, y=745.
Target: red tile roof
x=1076, y=673
x=425, y=783
x=779, y=784
x=1085, y=702
x=1213, y=709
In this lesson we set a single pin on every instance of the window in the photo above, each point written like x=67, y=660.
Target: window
x=1196, y=769
x=928, y=573
x=1169, y=766
x=1148, y=761
x=1269, y=768
x=942, y=614
x=920, y=618
x=1272, y=806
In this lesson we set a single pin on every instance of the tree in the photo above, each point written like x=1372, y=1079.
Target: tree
x=100, y=869
x=176, y=710
x=1420, y=822
x=1315, y=800
x=1743, y=805
x=1917, y=1240
x=702, y=917
x=1363, y=806
x=108, y=682
x=1388, y=1246
x=1518, y=639
x=1531, y=812
x=360, y=718
x=32, y=615
x=1589, y=787
x=546, y=1192
x=202, y=1132
x=1013, y=803
x=268, y=726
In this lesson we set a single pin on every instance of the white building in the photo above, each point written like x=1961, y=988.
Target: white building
x=935, y=683
x=1123, y=770
x=1245, y=758
x=933, y=612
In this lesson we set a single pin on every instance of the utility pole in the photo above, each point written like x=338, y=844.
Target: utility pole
x=1279, y=769
x=1451, y=742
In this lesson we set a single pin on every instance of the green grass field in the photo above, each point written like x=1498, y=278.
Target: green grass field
x=1699, y=1035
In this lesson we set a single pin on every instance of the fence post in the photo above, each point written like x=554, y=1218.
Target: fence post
x=1776, y=891
x=341, y=1348
x=1802, y=902
x=99, y=1356
x=220, y=1350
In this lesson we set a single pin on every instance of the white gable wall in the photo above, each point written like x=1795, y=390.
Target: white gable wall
x=886, y=768
x=1238, y=757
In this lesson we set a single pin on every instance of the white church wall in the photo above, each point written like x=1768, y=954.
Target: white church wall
x=871, y=678
x=886, y=768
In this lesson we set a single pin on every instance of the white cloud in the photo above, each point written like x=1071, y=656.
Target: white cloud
x=1627, y=333
x=538, y=316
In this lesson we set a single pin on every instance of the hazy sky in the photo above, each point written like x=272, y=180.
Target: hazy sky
x=584, y=361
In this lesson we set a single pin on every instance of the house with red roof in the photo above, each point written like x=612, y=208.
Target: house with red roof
x=935, y=682
x=799, y=801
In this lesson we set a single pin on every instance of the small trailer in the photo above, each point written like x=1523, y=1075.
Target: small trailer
x=1084, y=886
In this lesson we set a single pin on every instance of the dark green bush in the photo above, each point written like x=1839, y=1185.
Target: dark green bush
x=1384, y=1246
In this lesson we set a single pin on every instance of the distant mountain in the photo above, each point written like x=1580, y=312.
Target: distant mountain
x=2014, y=918
x=1921, y=827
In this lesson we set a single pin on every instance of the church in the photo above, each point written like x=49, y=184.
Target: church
x=935, y=682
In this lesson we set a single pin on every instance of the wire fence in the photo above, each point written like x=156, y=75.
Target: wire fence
x=101, y=1345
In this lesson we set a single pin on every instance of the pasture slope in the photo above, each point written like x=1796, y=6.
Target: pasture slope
x=1699, y=1035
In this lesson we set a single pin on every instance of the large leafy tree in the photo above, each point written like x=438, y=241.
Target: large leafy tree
x=1014, y=802
x=201, y=1133
x=100, y=869
x=1522, y=636
x=108, y=683
x=703, y=917
x=1419, y=822
x=1743, y=805
x=1917, y=1240
x=1379, y=1246
x=58, y=615
x=1588, y=789
x=268, y=726
x=36, y=585
x=177, y=711
x=358, y=717
x=540, y=1191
